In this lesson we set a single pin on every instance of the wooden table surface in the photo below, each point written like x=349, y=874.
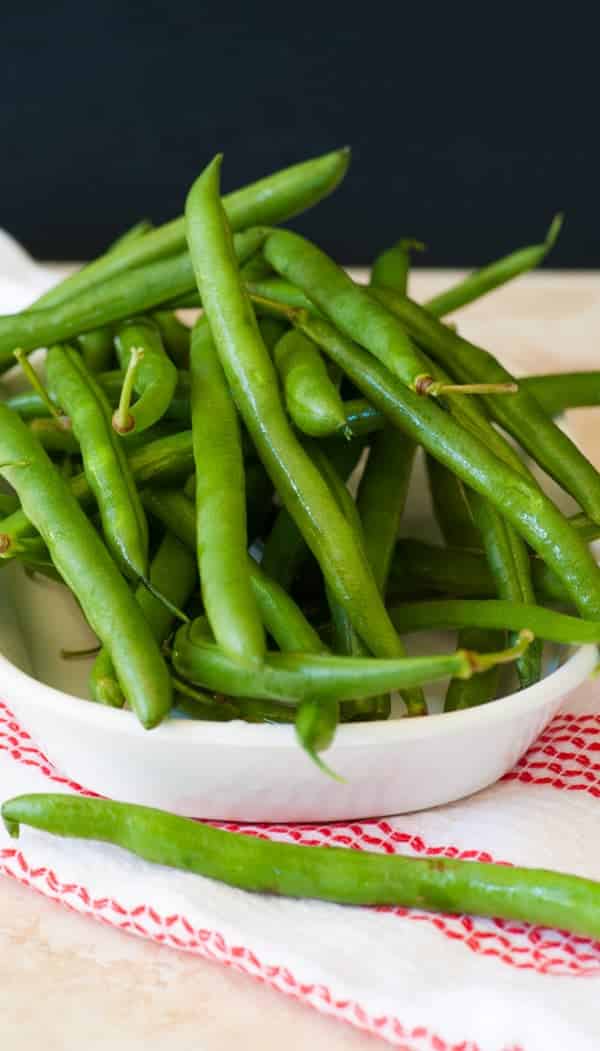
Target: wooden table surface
x=66, y=982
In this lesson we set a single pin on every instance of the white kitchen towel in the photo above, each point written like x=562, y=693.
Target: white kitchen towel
x=423, y=982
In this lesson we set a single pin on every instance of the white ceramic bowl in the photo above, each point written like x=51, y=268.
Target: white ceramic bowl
x=258, y=772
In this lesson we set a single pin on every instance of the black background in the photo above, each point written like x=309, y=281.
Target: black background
x=470, y=126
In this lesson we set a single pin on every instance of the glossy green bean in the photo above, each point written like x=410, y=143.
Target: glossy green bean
x=165, y=461
x=495, y=613
x=105, y=464
x=56, y=435
x=270, y=200
x=482, y=281
x=155, y=378
x=390, y=269
x=382, y=496
x=565, y=390
x=97, y=348
x=453, y=514
x=173, y=574
x=352, y=309
x=317, y=677
x=419, y=567
x=351, y=877
x=221, y=534
x=509, y=562
x=252, y=379
x=87, y=568
x=281, y=617
x=175, y=336
x=520, y=414
x=514, y=495
x=116, y=299
x=312, y=400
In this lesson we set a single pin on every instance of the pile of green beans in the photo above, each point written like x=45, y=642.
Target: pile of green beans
x=225, y=500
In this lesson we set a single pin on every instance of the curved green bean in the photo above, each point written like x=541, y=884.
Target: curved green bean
x=311, y=398
x=155, y=378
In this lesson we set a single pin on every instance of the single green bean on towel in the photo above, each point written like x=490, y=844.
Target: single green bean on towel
x=114, y=300
x=221, y=534
x=253, y=382
x=520, y=414
x=173, y=574
x=155, y=378
x=105, y=464
x=350, y=877
x=482, y=281
x=270, y=200
x=513, y=494
x=87, y=568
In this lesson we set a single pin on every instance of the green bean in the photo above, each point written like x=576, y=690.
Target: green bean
x=105, y=464
x=270, y=200
x=285, y=550
x=519, y=414
x=456, y=521
x=451, y=508
x=222, y=539
x=97, y=348
x=8, y=503
x=495, y=613
x=419, y=567
x=315, y=725
x=175, y=336
x=55, y=435
x=165, y=461
x=198, y=706
x=498, y=273
x=256, y=269
x=350, y=877
x=281, y=616
x=155, y=379
x=347, y=640
x=252, y=379
x=382, y=496
x=139, y=229
x=278, y=291
x=173, y=574
x=348, y=305
x=509, y=562
x=87, y=568
x=514, y=495
x=565, y=390
x=318, y=677
x=311, y=399
x=390, y=269
x=115, y=300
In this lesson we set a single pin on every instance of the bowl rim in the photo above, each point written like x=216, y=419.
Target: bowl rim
x=571, y=674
